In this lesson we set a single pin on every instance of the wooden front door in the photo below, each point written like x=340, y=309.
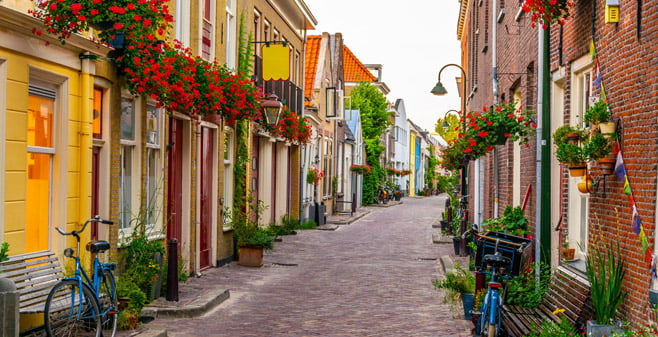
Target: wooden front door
x=206, y=189
x=175, y=185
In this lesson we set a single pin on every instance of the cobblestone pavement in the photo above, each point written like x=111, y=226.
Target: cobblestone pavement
x=369, y=278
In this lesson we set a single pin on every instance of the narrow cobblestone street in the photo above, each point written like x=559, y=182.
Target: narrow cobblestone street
x=370, y=278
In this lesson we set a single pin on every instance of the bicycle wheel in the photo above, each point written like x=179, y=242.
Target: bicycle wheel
x=107, y=298
x=67, y=313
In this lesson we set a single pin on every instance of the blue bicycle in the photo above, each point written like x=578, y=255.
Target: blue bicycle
x=78, y=305
x=498, y=267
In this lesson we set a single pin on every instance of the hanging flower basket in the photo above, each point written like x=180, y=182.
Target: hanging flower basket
x=547, y=12
x=360, y=169
x=482, y=131
x=313, y=176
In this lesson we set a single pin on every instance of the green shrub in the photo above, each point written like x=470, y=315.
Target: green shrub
x=309, y=224
x=526, y=290
x=4, y=249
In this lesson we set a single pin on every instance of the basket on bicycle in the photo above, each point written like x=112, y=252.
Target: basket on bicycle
x=516, y=248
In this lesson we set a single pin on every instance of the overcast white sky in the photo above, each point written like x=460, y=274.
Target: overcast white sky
x=412, y=40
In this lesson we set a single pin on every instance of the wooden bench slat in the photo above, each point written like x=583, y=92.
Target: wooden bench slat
x=567, y=291
x=34, y=275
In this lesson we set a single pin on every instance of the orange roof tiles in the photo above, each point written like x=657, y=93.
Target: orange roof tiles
x=354, y=70
x=311, y=59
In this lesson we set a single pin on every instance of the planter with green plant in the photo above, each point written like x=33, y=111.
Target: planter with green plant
x=568, y=134
x=599, y=114
x=604, y=266
x=512, y=222
x=250, y=237
x=459, y=284
x=597, y=147
x=563, y=328
x=142, y=256
x=525, y=290
x=131, y=301
x=574, y=157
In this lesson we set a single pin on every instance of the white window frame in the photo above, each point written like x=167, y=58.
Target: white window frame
x=578, y=203
x=154, y=190
x=229, y=160
x=182, y=19
x=104, y=168
x=231, y=34
x=125, y=230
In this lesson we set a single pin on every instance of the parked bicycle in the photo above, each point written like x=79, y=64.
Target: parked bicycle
x=78, y=305
x=499, y=267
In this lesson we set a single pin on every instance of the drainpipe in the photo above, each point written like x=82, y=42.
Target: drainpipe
x=86, y=111
x=544, y=160
x=494, y=73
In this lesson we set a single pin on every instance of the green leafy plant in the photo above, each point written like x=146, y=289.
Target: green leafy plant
x=4, y=249
x=513, y=222
x=597, y=113
x=314, y=175
x=597, y=147
x=461, y=281
x=140, y=251
x=563, y=328
x=570, y=154
x=547, y=12
x=604, y=266
x=564, y=132
x=526, y=290
x=245, y=224
x=128, y=290
x=649, y=330
x=308, y=224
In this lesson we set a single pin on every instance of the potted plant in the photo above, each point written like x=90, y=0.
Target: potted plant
x=568, y=134
x=568, y=253
x=574, y=157
x=512, y=222
x=131, y=301
x=546, y=12
x=604, y=266
x=597, y=147
x=599, y=115
x=459, y=284
x=251, y=239
x=553, y=329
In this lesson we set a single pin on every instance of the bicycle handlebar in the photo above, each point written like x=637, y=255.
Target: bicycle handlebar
x=97, y=218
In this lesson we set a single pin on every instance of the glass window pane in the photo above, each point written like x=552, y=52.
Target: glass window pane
x=126, y=186
x=37, y=202
x=152, y=125
x=40, y=113
x=152, y=185
x=127, y=118
x=98, y=113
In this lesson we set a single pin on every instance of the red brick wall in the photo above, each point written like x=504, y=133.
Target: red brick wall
x=629, y=71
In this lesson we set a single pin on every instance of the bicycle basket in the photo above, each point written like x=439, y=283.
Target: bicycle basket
x=519, y=256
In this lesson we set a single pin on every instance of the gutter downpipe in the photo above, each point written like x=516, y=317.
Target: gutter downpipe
x=494, y=72
x=86, y=111
x=542, y=228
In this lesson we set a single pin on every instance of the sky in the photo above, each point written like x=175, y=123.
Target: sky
x=412, y=40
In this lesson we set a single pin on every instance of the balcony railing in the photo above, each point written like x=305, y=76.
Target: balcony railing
x=289, y=94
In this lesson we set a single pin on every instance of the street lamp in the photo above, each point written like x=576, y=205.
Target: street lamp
x=272, y=109
x=445, y=124
x=440, y=90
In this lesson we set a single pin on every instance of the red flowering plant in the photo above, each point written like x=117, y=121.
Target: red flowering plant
x=292, y=127
x=482, y=131
x=109, y=17
x=405, y=172
x=314, y=175
x=546, y=12
x=180, y=81
x=360, y=169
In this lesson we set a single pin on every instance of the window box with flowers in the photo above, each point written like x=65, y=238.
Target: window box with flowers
x=482, y=131
x=360, y=169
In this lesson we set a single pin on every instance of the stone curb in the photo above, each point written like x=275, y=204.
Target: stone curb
x=438, y=238
x=152, y=333
x=198, y=307
x=348, y=221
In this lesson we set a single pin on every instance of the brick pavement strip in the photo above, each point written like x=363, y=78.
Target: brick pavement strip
x=371, y=278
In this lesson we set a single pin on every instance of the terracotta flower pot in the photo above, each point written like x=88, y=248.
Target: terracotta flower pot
x=607, y=165
x=585, y=184
x=251, y=256
x=568, y=254
x=577, y=170
x=607, y=129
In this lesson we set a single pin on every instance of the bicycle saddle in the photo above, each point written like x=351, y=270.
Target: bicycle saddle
x=496, y=260
x=98, y=246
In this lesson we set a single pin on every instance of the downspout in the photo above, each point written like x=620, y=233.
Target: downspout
x=304, y=147
x=544, y=160
x=494, y=74
x=86, y=111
